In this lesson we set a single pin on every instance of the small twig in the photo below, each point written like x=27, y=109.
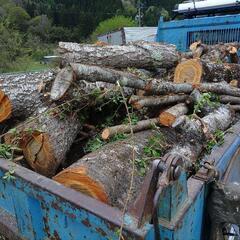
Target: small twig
x=133, y=162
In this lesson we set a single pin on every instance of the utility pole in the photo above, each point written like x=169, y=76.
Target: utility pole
x=139, y=16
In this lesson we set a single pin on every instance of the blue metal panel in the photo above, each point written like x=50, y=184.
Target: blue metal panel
x=188, y=223
x=44, y=209
x=210, y=30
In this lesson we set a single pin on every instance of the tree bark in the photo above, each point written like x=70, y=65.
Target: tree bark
x=139, y=102
x=126, y=128
x=222, y=52
x=168, y=117
x=196, y=132
x=45, y=139
x=229, y=99
x=235, y=108
x=65, y=86
x=21, y=93
x=196, y=71
x=106, y=173
x=138, y=54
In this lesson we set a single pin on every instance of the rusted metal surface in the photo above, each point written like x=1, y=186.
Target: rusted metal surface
x=44, y=209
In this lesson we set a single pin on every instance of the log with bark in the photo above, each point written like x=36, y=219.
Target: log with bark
x=20, y=94
x=139, y=102
x=222, y=52
x=169, y=116
x=65, y=86
x=126, y=128
x=197, y=131
x=196, y=71
x=155, y=87
x=138, y=54
x=106, y=173
x=45, y=139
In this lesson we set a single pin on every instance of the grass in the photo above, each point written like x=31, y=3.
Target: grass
x=27, y=64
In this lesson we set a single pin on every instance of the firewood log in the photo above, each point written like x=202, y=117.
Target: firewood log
x=155, y=87
x=45, y=138
x=195, y=132
x=229, y=99
x=169, y=116
x=66, y=87
x=196, y=71
x=222, y=52
x=139, y=102
x=138, y=54
x=20, y=94
x=106, y=173
x=126, y=128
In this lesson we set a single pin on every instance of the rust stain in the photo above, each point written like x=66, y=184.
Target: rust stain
x=46, y=228
x=56, y=236
x=86, y=222
x=56, y=206
x=99, y=230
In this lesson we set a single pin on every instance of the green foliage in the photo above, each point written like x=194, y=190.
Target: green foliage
x=113, y=24
x=153, y=149
x=155, y=146
x=5, y=151
x=134, y=119
x=94, y=144
x=97, y=142
x=217, y=140
x=152, y=16
x=8, y=176
x=206, y=100
x=18, y=18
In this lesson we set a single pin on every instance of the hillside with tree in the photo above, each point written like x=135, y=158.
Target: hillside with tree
x=29, y=29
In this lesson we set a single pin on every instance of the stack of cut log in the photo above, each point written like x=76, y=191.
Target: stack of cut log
x=47, y=107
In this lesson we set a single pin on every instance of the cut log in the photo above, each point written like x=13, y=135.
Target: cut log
x=65, y=87
x=138, y=54
x=229, y=99
x=45, y=139
x=20, y=94
x=235, y=108
x=95, y=73
x=195, y=132
x=106, y=173
x=139, y=102
x=198, y=49
x=233, y=54
x=169, y=116
x=126, y=128
x=155, y=87
x=196, y=71
x=222, y=52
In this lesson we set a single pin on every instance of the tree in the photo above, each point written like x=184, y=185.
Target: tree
x=18, y=18
x=152, y=16
x=10, y=47
x=112, y=24
x=40, y=26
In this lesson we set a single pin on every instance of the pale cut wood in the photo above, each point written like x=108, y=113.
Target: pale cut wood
x=168, y=117
x=45, y=139
x=137, y=54
x=21, y=93
x=196, y=71
x=126, y=128
x=106, y=173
